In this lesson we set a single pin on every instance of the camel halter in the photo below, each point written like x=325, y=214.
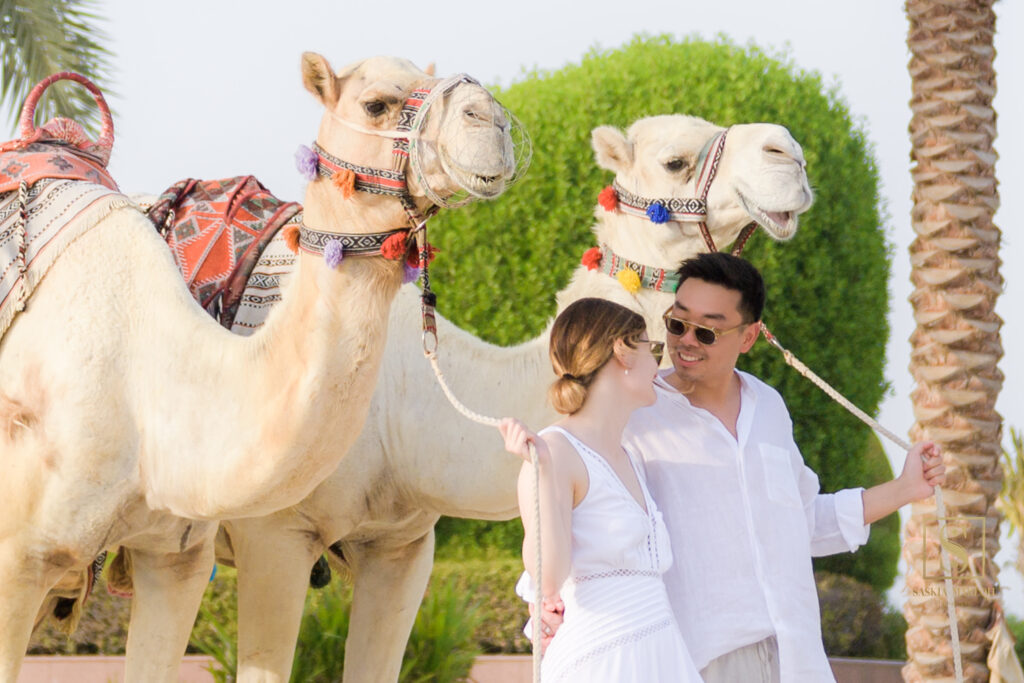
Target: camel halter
x=681, y=209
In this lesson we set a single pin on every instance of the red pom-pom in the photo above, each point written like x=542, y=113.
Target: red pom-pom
x=591, y=258
x=291, y=238
x=414, y=256
x=394, y=247
x=609, y=198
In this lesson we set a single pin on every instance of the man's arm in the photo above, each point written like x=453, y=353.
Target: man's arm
x=922, y=471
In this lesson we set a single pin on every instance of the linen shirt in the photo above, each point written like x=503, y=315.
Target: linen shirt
x=744, y=516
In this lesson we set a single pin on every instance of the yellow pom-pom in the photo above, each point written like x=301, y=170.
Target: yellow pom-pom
x=629, y=280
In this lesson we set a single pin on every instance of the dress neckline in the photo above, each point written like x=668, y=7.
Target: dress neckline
x=645, y=507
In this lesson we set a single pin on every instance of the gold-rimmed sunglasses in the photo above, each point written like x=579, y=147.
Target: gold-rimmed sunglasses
x=707, y=336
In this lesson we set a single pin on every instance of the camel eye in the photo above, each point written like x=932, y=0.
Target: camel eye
x=675, y=165
x=375, y=107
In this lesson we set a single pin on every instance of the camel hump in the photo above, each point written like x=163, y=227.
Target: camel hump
x=216, y=230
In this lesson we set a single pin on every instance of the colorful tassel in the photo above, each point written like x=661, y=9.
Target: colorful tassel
x=629, y=280
x=307, y=161
x=291, y=238
x=345, y=180
x=333, y=253
x=409, y=274
x=592, y=258
x=413, y=259
x=657, y=213
x=609, y=198
x=395, y=246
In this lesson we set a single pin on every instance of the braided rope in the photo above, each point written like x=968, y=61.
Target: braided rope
x=940, y=506
x=21, y=230
x=493, y=422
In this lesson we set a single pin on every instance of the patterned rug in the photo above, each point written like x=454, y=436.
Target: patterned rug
x=59, y=211
x=217, y=230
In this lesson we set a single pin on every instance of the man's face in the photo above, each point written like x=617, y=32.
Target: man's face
x=710, y=305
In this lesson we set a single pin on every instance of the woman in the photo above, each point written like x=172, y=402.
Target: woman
x=604, y=545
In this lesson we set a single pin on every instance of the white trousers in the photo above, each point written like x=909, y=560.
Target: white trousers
x=755, y=663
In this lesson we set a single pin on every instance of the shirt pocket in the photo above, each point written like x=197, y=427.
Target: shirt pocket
x=778, y=476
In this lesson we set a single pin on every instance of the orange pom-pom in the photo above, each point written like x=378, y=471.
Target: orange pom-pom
x=609, y=198
x=291, y=238
x=414, y=256
x=394, y=247
x=345, y=181
x=591, y=258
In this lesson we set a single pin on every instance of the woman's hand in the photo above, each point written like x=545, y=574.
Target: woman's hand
x=923, y=470
x=517, y=438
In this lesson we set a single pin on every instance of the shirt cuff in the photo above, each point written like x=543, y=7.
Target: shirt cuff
x=850, y=516
x=525, y=588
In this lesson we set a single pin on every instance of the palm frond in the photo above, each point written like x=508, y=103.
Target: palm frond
x=41, y=37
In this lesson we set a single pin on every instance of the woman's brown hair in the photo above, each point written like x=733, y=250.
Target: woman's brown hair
x=582, y=341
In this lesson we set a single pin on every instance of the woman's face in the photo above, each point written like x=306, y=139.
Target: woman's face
x=644, y=369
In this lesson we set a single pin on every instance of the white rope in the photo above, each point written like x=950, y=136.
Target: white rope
x=535, y=636
x=940, y=507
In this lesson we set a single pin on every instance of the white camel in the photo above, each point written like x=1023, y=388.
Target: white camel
x=418, y=459
x=130, y=418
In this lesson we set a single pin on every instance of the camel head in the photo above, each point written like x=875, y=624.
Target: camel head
x=463, y=143
x=760, y=177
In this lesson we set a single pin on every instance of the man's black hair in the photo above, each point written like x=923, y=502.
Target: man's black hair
x=731, y=272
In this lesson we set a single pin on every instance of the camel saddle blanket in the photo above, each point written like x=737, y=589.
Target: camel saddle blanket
x=59, y=211
x=217, y=230
x=50, y=159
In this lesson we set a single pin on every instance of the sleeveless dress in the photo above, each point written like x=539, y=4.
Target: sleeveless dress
x=618, y=622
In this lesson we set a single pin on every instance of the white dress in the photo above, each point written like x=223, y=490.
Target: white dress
x=618, y=623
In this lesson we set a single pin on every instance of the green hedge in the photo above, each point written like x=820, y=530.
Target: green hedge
x=503, y=261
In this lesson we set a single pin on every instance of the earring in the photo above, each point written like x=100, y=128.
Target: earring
x=627, y=371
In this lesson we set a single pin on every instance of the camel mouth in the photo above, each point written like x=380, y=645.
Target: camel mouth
x=484, y=185
x=781, y=225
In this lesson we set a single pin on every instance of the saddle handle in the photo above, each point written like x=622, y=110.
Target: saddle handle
x=104, y=143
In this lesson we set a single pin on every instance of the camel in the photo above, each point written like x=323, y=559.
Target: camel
x=131, y=418
x=418, y=459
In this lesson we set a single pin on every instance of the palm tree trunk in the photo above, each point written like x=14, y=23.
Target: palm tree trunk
x=956, y=345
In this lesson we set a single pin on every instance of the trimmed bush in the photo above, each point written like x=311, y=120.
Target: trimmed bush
x=851, y=616
x=503, y=261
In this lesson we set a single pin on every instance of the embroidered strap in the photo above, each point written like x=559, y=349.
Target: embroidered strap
x=679, y=209
x=372, y=180
x=369, y=244
x=658, y=279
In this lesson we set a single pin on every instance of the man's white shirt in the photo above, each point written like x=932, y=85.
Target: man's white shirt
x=744, y=517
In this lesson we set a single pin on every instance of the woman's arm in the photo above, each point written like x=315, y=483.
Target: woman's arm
x=559, y=474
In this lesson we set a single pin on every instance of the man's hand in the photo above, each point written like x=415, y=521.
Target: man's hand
x=551, y=614
x=922, y=471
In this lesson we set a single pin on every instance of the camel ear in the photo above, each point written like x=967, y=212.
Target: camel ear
x=430, y=69
x=611, y=148
x=319, y=79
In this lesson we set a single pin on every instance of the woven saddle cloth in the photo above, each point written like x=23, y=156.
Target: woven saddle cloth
x=217, y=231
x=59, y=211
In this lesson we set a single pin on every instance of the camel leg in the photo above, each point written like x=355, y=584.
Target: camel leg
x=388, y=589
x=24, y=583
x=168, y=590
x=273, y=575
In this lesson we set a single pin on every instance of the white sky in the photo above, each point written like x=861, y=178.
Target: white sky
x=212, y=89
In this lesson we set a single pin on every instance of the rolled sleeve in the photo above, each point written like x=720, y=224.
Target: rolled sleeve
x=838, y=524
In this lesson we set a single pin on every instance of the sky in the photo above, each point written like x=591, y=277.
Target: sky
x=212, y=89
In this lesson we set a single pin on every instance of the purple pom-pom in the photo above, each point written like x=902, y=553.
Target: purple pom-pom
x=409, y=274
x=657, y=213
x=333, y=253
x=307, y=161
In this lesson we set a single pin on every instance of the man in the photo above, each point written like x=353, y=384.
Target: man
x=744, y=513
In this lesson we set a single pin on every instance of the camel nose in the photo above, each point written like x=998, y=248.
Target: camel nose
x=484, y=115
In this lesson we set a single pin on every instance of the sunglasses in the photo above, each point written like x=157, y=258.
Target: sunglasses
x=705, y=335
x=657, y=349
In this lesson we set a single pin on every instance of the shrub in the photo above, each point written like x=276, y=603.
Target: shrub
x=827, y=296
x=851, y=616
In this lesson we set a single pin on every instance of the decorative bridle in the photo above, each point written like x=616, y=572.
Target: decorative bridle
x=393, y=182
